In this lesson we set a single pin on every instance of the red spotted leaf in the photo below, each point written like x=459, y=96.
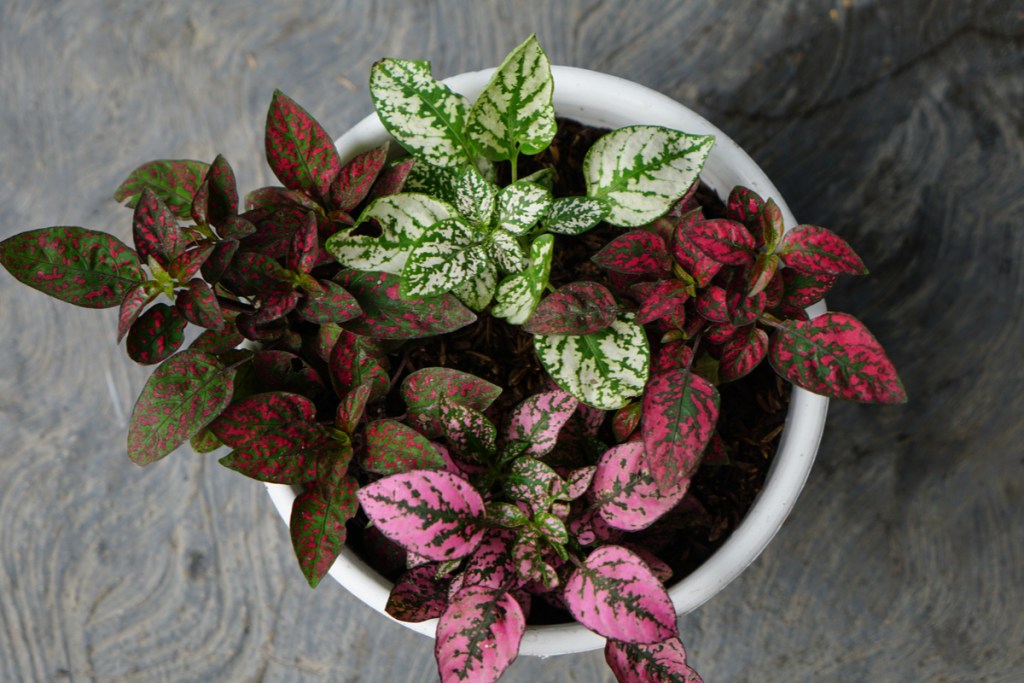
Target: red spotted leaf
x=299, y=151
x=352, y=406
x=615, y=594
x=77, y=265
x=272, y=198
x=304, y=248
x=333, y=305
x=743, y=309
x=835, y=355
x=247, y=421
x=135, y=300
x=317, y=527
x=219, y=261
x=663, y=662
x=712, y=304
x=387, y=315
x=275, y=229
x=800, y=290
x=156, y=230
x=284, y=371
x=218, y=341
x=217, y=197
x=392, y=179
x=433, y=514
x=158, y=333
x=577, y=308
x=418, y=595
x=181, y=397
x=251, y=273
x=198, y=304
x=638, y=252
x=771, y=226
x=204, y=442
x=688, y=255
x=478, y=635
x=811, y=249
x=174, y=181
x=351, y=367
x=423, y=390
x=236, y=228
x=680, y=411
x=661, y=299
x=742, y=353
x=392, y=447
x=294, y=453
x=539, y=419
x=626, y=420
x=672, y=356
x=188, y=263
x=720, y=333
x=761, y=273
x=276, y=304
x=625, y=492
x=356, y=178
x=745, y=206
x=725, y=241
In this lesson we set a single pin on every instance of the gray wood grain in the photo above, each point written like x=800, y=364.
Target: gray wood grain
x=899, y=124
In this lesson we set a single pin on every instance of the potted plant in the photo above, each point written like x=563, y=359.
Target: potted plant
x=615, y=297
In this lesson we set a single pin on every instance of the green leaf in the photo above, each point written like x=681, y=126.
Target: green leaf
x=521, y=205
x=392, y=447
x=603, y=369
x=575, y=215
x=80, y=266
x=158, y=333
x=641, y=171
x=425, y=116
x=437, y=181
x=478, y=292
x=514, y=113
x=404, y=220
x=504, y=248
x=451, y=255
x=181, y=397
x=175, y=181
x=518, y=295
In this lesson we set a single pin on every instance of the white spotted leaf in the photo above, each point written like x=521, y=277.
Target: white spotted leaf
x=519, y=294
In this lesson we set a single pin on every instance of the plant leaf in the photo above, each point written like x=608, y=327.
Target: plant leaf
x=198, y=304
x=424, y=389
x=532, y=482
x=135, y=300
x=304, y=248
x=518, y=295
x=835, y=355
x=811, y=249
x=772, y=226
x=352, y=406
x=246, y=422
x=663, y=662
x=641, y=171
x=291, y=454
x=576, y=308
x=475, y=197
x=181, y=397
x=742, y=353
x=687, y=254
x=761, y=273
x=661, y=299
x=333, y=305
x=626, y=420
x=745, y=205
x=433, y=514
x=299, y=151
x=451, y=255
x=625, y=492
x=637, y=252
x=158, y=333
x=490, y=565
x=425, y=116
x=725, y=241
x=156, y=231
x=478, y=635
x=680, y=410
x=615, y=594
x=391, y=448
x=353, y=183
x=521, y=205
x=387, y=315
x=404, y=220
x=187, y=264
x=800, y=290
x=478, y=292
x=217, y=197
x=468, y=431
x=504, y=248
x=514, y=113
x=538, y=420
x=602, y=369
x=174, y=181
x=418, y=595
x=575, y=215
x=317, y=527
x=80, y=266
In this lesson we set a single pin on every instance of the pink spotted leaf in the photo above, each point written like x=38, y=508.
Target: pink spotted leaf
x=533, y=482
x=661, y=299
x=418, y=595
x=478, y=635
x=638, y=252
x=672, y=356
x=318, y=527
x=701, y=267
x=299, y=151
x=490, y=565
x=538, y=420
x=353, y=183
x=351, y=366
x=276, y=304
x=811, y=249
x=214, y=267
x=662, y=662
x=156, y=230
x=392, y=447
x=725, y=241
x=615, y=594
x=423, y=390
x=304, y=248
x=530, y=559
x=218, y=341
x=578, y=482
x=712, y=304
x=433, y=514
x=217, y=197
x=626, y=494
x=135, y=300
x=198, y=304
x=680, y=410
x=835, y=355
x=272, y=198
x=247, y=421
x=469, y=432
x=742, y=353
x=388, y=315
x=157, y=333
x=576, y=308
x=743, y=309
x=333, y=305
x=188, y=263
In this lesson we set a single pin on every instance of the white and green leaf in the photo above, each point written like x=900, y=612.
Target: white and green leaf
x=452, y=255
x=475, y=197
x=506, y=251
x=424, y=115
x=521, y=205
x=518, y=295
x=437, y=181
x=405, y=220
x=514, y=113
x=641, y=171
x=575, y=215
x=603, y=369
x=478, y=292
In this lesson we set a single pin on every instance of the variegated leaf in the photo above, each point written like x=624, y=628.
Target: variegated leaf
x=284, y=371
x=725, y=241
x=626, y=420
x=532, y=482
x=248, y=420
x=198, y=304
x=641, y=171
x=404, y=220
x=317, y=526
x=392, y=447
x=353, y=182
x=625, y=492
x=713, y=304
x=187, y=264
x=475, y=197
x=433, y=514
x=351, y=366
x=453, y=255
x=687, y=254
x=772, y=225
x=388, y=315
x=761, y=273
x=575, y=215
x=392, y=179
x=615, y=594
x=803, y=289
x=333, y=305
x=603, y=369
x=637, y=252
x=478, y=635
x=299, y=151
x=437, y=181
x=663, y=662
x=680, y=410
x=158, y=333
x=135, y=300
x=539, y=419
x=418, y=595
x=270, y=198
x=662, y=299
x=174, y=181
x=156, y=231
x=521, y=205
x=425, y=116
x=811, y=249
x=468, y=431
x=514, y=113
x=217, y=197
x=303, y=251
x=290, y=454
x=530, y=558
x=478, y=292
x=352, y=406
x=742, y=353
x=745, y=205
x=835, y=355
x=519, y=294
x=576, y=308
x=503, y=247
x=490, y=565
x=424, y=390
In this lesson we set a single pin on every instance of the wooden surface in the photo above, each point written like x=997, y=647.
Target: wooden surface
x=898, y=123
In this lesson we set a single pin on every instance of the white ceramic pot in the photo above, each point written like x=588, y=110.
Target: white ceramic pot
x=607, y=101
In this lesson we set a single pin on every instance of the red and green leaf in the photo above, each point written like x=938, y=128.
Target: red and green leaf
x=424, y=389
x=198, y=304
x=478, y=635
x=539, y=419
x=318, y=527
x=219, y=261
x=387, y=315
x=156, y=231
x=418, y=595
x=181, y=397
x=217, y=196
x=158, y=333
x=688, y=255
x=188, y=263
x=245, y=422
x=433, y=514
x=304, y=248
x=299, y=151
x=615, y=594
x=713, y=305
x=333, y=305
x=218, y=341
x=284, y=371
x=680, y=410
x=353, y=183
x=663, y=662
x=800, y=290
x=771, y=225
x=638, y=252
x=174, y=181
x=352, y=407
x=392, y=179
x=576, y=308
x=626, y=494
x=661, y=299
x=835, y=355
x=295, y=453
x=392, y=448
x=745, y=205
x=80, y=266
x=626, y=420
x=468, y=431
x=725, y=241
x=742, y=353
x=135, y=300
x=811, y=249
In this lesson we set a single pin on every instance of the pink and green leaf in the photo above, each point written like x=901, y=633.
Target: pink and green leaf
x=576, y=308
x=761, y=273
x=742, y=353
x=156, y=231
x=392, y=448
x=181, y=397
x=468, y=431
x=418, y=595
x=800, y=290
x=218, y=341
x=424, y=389
x=687, y=254
x=356, y=177
x=539, y=419
x=188, y=263
x=157, y=333
x=478, y=635
x=392, y=179
x=661, y=299
x=304, y=248
x=433, y=514
x=663, y=662
x=284, y=371
x=318, y=527
x=387, y=315
x=352, y=407
x=291, y=454
x=217, y=197
x=532, y=482
x=811, y=249
x=745, y=205
x=615, y=594
x=245, y=422
x=333, y=305
x=135, y=300
x=198, y=304
x=713, y=305
x=638, y=252
x=299, y=151
x=626, y=494
x=174, y=181
x=835, y=355
x=725, y=241
x=771, y=226
x=490, y=565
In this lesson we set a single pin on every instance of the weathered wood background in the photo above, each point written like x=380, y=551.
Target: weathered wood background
x=898, y=123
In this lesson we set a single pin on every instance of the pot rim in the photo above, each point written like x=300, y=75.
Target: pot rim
x=586, y=96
